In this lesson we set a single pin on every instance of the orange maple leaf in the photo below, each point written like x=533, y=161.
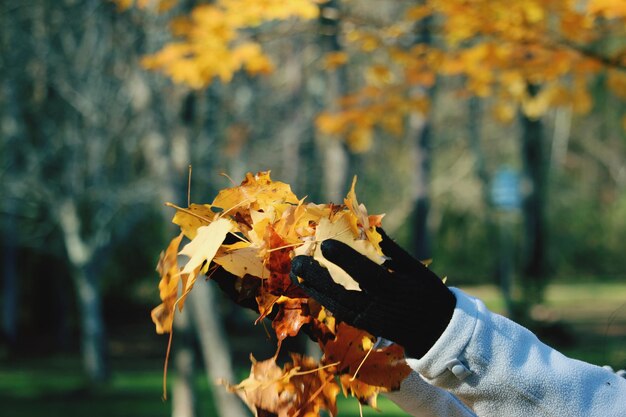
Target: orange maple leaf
x=356, y=355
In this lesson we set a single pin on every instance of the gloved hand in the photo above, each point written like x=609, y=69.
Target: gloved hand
x=401, y=300
x=227, y=283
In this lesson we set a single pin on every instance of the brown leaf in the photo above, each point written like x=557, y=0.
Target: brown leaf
x=382, y=367
x=301, y=388
x=292, y=315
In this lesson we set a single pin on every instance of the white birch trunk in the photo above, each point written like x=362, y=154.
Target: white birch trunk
x=81, y=254
x=215, y=352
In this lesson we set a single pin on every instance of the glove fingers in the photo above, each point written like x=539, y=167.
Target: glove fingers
x=318, y=284
x=400, y=258
x=370, y=276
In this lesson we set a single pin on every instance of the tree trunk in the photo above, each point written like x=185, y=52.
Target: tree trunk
x=215, y=352
x=502, y=240
x=534, y=207
x=293, y=128
x=335, y=160
x=420, y=130
x=10, y=291
x=183, y=393
x=92, y=324
x=81, y=257
x=419, y=217
x=10, y=133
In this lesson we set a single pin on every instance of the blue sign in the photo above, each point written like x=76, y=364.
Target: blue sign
x=505, y=189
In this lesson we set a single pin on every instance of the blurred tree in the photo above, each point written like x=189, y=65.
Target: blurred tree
x=420, y=127
x=75, y=155
x=335, y=165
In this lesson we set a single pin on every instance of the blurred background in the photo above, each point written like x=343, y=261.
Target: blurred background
x=490, y=132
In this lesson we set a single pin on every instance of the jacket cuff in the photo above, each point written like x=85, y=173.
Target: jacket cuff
x=447, y=352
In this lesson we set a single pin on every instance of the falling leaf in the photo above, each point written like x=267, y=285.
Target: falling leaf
x=167, y=267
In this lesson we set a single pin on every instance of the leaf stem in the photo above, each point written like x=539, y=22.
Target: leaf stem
x=362, y=362
x=191, y=213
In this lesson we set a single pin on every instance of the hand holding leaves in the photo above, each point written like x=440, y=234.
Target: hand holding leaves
x=401, y=300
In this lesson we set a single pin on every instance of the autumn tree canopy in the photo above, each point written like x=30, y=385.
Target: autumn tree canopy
x=528, y=55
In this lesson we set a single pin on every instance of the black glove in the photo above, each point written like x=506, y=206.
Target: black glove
x=243, y=296
x=401, y=300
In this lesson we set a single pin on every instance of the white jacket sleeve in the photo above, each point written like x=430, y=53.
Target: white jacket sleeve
x=499, y=368
x=421, y=399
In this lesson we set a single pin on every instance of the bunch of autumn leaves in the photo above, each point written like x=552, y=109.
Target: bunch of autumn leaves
x=271, y=226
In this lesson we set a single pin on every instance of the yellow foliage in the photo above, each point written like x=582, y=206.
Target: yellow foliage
x=331, y=123
x=360, y=139
x=379, y=75
x=161, y=6
x=333, y=60
x=616, y=81
x=211, y=42
x=536, y=106
x=504, y=111
x=581, y=98
x=419, y=12
x=495, y=46
x=611, y=9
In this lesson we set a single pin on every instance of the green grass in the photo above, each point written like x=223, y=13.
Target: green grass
x=593, y=314
x=54, y=386
x=590, y=319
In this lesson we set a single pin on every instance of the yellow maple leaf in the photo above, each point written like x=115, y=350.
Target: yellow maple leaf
x=256, y=191
x=340, y=229
x=167, y=267
x=204, y=246
x=193, y=217
x=241, y=259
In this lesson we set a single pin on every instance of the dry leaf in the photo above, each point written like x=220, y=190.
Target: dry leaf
x=243, y=259
x=163, y=315
x=340, y=230
x=384, y=367
x=273, y=226
x=302, y=387
x=193, y=217
x=293, y=314
x=259, y=190
x=203, y=248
